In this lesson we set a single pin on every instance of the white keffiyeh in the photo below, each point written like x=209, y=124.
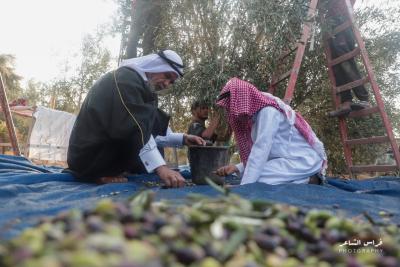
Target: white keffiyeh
x=153, y=63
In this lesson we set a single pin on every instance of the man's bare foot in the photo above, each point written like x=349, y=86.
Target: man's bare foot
x=111, y=180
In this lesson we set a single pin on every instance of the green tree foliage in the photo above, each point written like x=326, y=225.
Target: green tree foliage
x=65, y=93
x=122, y=24
x=219, y=39
x=10, y=78
x=35, y=92
x=68, y=91
x=138, y=23
x=13, y=90
x=94, y=63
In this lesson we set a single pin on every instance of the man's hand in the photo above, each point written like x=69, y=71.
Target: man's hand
x=171, y=178
x=227, y=170
x=193, y=140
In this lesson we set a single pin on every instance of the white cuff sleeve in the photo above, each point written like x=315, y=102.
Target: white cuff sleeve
x=175, y=139
x=150, y=156
x=170, y=139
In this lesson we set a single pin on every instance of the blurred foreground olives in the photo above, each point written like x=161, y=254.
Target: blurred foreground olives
x=202, y=232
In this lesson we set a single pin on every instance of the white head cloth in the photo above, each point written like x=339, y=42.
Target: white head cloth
x=153, y=63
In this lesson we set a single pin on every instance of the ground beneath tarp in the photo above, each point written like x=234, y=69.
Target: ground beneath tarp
x=29, y=192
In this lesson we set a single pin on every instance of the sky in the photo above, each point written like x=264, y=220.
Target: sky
x=42, y=34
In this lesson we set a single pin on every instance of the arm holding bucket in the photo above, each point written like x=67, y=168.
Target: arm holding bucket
x=193, y=140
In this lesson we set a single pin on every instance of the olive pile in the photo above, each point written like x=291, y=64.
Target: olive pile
x=205, y=232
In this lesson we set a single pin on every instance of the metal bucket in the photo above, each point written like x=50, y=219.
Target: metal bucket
x=204, y=160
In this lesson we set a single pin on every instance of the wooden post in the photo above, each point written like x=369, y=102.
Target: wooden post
x=174, y=149
x=301, y=47
x=8, y=117
x=28, y=139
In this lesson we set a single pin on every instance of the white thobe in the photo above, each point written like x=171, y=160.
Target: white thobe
x=149, y=154
x=279, y=154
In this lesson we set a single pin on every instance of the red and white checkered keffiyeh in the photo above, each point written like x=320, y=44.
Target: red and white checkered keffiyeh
x=244, y=101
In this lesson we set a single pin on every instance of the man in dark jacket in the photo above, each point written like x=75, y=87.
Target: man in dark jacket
x=119, y=125
x=347, y=71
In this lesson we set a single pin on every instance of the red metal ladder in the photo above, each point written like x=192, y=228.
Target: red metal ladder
x=9, y=121
x=360, y=50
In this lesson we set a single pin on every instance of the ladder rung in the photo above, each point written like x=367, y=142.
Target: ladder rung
x=373, y=168
x=342, y=27
x=364, y=112
x=285, y=55
x=369, y=140
x=345, y=57
x=351, y=85
x=282, y=77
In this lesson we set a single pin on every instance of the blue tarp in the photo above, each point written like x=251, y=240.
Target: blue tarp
x=29, y=192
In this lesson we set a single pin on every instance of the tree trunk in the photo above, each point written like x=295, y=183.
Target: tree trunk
x=145, y=24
